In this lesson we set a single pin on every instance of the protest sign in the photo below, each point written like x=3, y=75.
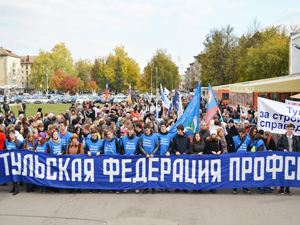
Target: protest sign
x=114, y=172
x=289, y=102
x=274, y=116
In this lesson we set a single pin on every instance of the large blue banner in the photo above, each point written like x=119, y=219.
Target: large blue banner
x=234, y=170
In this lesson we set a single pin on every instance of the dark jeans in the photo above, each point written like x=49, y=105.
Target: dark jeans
x=286, y=188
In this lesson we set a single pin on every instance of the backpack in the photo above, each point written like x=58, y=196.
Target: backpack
x=6, y=107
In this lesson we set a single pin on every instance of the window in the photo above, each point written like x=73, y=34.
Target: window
x=26, y=67
x=27, y=79
x=26, y=72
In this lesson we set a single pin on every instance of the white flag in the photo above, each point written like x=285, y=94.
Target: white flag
x=166, y=91
x=165, y=101
x=180, y=110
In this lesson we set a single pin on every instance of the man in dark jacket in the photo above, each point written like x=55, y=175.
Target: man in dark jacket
x=232, y=131
x=204, y=132
x=180, y=144
x=288, y=143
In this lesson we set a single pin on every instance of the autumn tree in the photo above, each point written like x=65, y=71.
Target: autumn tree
x=64, y=82
x=59, y=58
x=163, y=68
x=91, y=86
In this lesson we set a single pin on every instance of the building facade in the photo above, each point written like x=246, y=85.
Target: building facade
x=294, y=67
x=26, y=62
x=10, y=65
x=192, y=74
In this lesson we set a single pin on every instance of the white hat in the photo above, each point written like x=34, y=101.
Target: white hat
x=213, y=132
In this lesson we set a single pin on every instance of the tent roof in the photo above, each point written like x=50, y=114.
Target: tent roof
x=297, y=96
x=278, y=84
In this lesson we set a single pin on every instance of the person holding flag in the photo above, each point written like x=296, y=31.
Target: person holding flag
x=212, y=105
x=106, y=91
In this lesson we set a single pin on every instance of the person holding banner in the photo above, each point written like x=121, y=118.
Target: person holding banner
x=288, y=143
x=93, y=147
x=130, y=142
x=165, y=139
x=41, y=143
x=55, y=145
x=197, y=146
x=11, y=144
x=240, y=144
x=148, y=146
x=74, y=147
x=269, y=141
x=180, y=145
x=130, y=146
x=213, y=146
x=111, y=145
x=256, y=141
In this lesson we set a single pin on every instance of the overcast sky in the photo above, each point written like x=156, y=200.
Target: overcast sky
x=93, y=28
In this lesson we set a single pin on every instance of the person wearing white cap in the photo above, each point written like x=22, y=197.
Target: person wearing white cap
x=213, y=146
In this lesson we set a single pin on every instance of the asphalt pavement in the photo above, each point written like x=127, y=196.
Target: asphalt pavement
x=161, y=208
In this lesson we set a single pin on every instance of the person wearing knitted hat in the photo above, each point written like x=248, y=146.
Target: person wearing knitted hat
x=213, y=146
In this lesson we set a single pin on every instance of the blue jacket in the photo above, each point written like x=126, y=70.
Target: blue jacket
x=243, y=147
x=258, y=143
x=30, y=145
x=149, y=144
x=164, y=142
x=130, y=145
x=94, y=146
x=55, y=149
x=41, y=148
x=65, y=139
x=12, y=145
x=112, y=147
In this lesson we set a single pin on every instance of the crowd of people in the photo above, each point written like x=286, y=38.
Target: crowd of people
x=123, y=129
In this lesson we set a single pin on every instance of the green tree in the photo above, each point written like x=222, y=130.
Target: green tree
x=218, y=61
x=163, y=68
x=83, y=69
x=119, y=69
x=268, y=57
x=49, y=62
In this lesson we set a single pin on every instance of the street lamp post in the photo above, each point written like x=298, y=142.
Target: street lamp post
x=156, y=84
x=47, y=83
x=151, y=82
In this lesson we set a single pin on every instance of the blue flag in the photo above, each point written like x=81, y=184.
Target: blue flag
x=175, y=100
x=190, y=117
